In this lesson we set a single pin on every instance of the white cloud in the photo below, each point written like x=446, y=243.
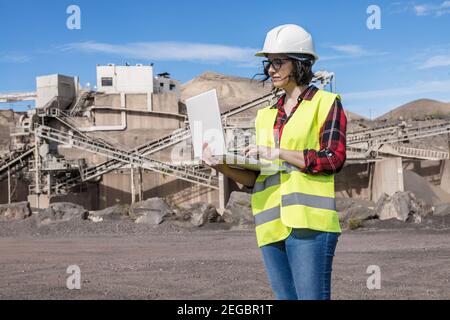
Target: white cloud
x=374, y=103
x=432, y=56
x=170, y=51
x=399, y=7
x=345, y=51
x=350, y=49
x=436, y=61
x=420, y=87
x=421, y=10
x=432, y=9
x=12, y=57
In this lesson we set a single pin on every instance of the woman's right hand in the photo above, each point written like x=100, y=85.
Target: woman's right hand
x=207, y=156
x=245, y=177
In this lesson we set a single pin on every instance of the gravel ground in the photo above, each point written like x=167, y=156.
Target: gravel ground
x=123, y=260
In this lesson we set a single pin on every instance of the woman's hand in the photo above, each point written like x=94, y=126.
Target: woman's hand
x=294, y=157
x=262, y=152
x=245, y=177
x=207, y=156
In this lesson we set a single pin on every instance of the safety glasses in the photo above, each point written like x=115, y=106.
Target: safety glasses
x=276, y=63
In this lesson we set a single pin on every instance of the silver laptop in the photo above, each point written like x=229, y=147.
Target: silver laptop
x=206, y=126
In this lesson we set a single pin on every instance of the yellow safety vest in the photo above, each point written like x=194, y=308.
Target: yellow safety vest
x=292, y=199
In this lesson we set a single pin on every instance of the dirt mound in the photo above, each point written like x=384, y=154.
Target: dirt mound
x=231, y=91
x=351, y=116
x=418, y=109
x=423, y=190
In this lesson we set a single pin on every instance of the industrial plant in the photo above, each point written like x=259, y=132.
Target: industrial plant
x=129, y=140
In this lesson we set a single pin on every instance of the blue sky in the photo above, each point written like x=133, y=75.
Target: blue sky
x=376, y=70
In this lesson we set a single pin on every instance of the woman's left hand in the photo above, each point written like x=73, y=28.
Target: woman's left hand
x=262, y=152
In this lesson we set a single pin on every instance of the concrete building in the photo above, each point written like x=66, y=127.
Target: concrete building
x=62, y=88
x=140, y=86
x=138, y=79
x=130, y=79
x=164, y=84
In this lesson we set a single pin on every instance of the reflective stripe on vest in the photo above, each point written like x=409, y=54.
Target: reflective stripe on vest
x=270, y=181
x=308, y=200
x=296, y=198
x=267, y=215
x=274, y=179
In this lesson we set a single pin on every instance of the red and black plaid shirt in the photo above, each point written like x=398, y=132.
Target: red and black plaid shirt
x=332, y=154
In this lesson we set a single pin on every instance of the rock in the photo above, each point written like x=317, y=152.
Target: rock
x=238, y=209
x=398, y=208
x=62, y=211
x=182, y=224
x=202, y=213
x=343, y=215
x=403, y=206
x=442, y=210
x=343, y=204
x=361, y=213
x=182, y=213
x=355, y=209
x=15, y=211
x=116, y=212
x=152, y=211
x=380, y=203
x=95, y=218
x=352, y=212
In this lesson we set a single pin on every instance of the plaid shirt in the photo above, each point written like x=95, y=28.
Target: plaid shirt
x=332, y=154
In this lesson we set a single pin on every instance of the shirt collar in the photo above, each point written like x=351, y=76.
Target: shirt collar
x=307, y=94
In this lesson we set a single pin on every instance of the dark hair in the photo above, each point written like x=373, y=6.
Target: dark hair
x=301, y=73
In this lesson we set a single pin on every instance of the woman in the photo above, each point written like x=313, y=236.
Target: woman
x=297, y=226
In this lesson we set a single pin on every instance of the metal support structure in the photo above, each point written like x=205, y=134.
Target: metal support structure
x=17, y=96
x=184, y=172
x=133, y=198
x=140, y=189
x=9, y=186
x=49, y=184
x=370, y=169
x=37, y=175
x=223, y=191
x=36, y=164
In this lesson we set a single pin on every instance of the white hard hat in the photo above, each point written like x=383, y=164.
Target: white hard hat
x=288, y=38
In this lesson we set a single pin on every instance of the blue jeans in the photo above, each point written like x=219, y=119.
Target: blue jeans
x=299, y=267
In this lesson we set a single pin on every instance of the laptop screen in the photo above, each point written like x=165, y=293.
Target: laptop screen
x=205, y=123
